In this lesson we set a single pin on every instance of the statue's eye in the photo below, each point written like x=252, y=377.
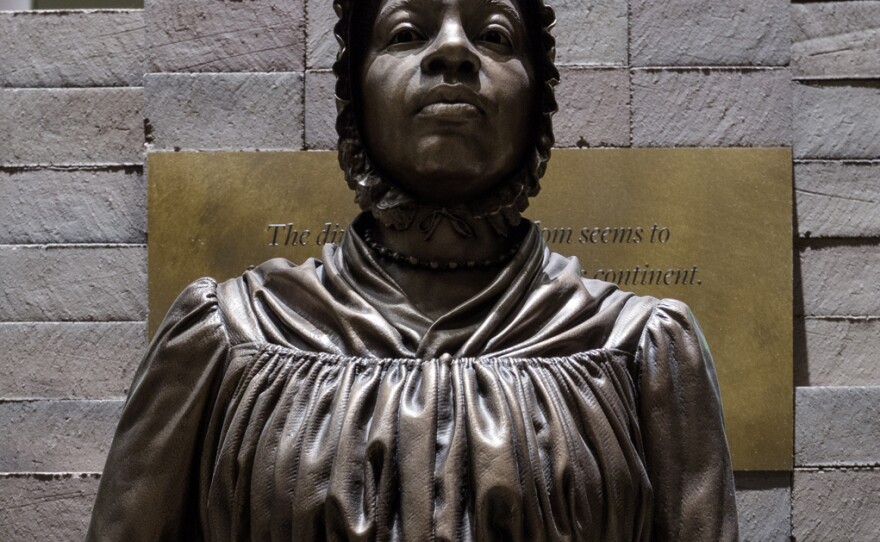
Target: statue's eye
x=495, y=38
x=406, y=35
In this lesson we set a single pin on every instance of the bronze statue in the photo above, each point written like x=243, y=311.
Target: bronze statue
x=439, y=375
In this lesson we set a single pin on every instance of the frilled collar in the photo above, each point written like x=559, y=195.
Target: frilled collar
x=457, y=331
x=537, y=305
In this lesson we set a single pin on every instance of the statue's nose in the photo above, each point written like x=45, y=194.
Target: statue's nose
x=451, y=52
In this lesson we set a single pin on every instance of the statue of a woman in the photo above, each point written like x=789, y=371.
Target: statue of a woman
x=439, y=375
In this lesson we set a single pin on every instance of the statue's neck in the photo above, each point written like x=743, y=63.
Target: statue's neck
x=468, y=253
x=445, y=235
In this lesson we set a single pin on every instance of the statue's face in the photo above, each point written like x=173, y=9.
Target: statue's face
x=448, y=95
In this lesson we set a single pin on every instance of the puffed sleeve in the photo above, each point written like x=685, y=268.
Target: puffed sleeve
x=683, y=430
x=149, y=488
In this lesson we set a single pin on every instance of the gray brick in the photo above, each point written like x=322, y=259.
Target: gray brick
x=837, y=426
x=72, y=206
x=72, y=49
x=838, y=199
x=72, y=283
x=837, y=119
x=836, y=39
x=233, y=111
x=56, y=436
x=71, y=126
x=211, y=36
x=839, y=279
x=687, y=108
x=320, y=124
x=763, y=502
x=593, y=108
x=836, y=505
x=700, y=33
x=46, y=507
x=321, y=43
x=69, y=360
x=591, y=32
x=837, y=352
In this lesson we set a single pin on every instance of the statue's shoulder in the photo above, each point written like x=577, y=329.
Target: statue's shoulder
x=197, y=301
x=269, y=275
x=279, y=267
x=198, y=293
x=275, y=282
x=633, y=314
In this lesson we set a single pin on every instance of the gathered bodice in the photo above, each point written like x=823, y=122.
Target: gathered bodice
x=327, y=447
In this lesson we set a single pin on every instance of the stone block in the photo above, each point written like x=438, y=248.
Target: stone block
x=72, y=49
x=320, y=124
x=71, y=126
x=763, y=502
x=321, y=45
x=837, y=352
x=837, y=426
x=59, y=282
x=69, y=360
x=699, y=33
x=836, y=40
x=696, y=108
x=838, y=199
x=73, y=206
x=230, y=111
x=837, y=119
x=593, y=108
x=46, y=507
x=56, y=436
x=839, y=278
x=838, y=504
x=592, y=32
x=212, y=36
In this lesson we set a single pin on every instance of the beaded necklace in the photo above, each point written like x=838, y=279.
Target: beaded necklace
x=434, y=264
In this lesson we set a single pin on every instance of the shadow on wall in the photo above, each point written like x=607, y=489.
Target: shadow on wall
x=799, y=363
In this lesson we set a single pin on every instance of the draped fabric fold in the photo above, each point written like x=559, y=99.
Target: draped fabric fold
x=494, y=457
x=314, y=402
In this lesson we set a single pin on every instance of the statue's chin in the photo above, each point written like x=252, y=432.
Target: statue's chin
x=449, y=182
x=445, y=167
x=456, y=169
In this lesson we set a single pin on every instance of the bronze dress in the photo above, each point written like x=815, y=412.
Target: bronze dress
x=313, y=402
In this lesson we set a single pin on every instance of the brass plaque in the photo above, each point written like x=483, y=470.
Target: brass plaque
x=711, y=227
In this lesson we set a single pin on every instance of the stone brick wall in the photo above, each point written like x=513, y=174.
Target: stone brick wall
x=82, y=94
x=72, y=258
x=835, y=66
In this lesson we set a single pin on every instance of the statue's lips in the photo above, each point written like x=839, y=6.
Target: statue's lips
x=451, y=102
x=451, y=110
